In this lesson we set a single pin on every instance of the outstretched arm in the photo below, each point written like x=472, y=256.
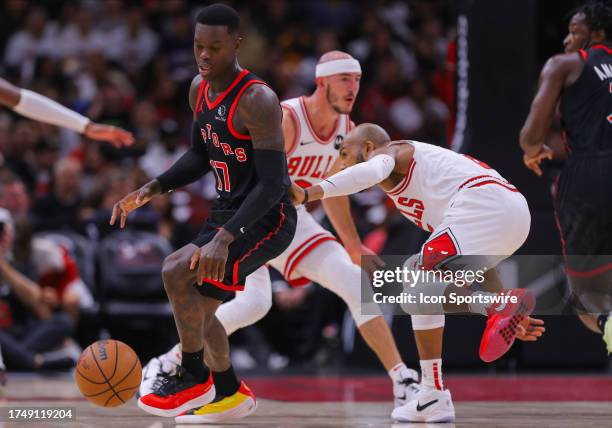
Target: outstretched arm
x=353, y=179
x=40, y=108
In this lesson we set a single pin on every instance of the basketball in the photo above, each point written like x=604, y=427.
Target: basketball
x=108, y=373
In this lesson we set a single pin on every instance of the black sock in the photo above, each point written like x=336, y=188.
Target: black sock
x=226, y=383
x=601, y=321
x=193, y=363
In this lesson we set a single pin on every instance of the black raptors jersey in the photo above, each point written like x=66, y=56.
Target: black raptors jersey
x=229, y=151
x=586, y=106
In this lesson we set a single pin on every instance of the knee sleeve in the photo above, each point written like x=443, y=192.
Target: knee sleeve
x=249, y=305
x=330, y=266
x=427, y=322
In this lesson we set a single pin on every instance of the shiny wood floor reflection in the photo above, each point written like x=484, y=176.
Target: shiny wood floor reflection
x=61, y=392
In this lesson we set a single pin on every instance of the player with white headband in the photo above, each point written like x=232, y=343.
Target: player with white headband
x=314, y=127
x=42, y=109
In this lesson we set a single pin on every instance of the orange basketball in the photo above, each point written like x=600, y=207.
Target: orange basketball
x=108, y=373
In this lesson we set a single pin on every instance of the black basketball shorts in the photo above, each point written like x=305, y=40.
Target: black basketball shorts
x=261, y=242
x=583, y=208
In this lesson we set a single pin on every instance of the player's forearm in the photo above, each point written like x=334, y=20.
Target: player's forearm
x=271, y=168
x=338, y=211
x=531, y=139
x=356, y=178
x=38, y=107
x=188, y=168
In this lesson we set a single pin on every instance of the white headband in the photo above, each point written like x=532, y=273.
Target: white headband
x=337, y=66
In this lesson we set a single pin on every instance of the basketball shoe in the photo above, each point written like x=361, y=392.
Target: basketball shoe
x=429, y=405
x=405, y=387
x=177, y=394
x=159, y=368
x=502, y=323
x=239, y=405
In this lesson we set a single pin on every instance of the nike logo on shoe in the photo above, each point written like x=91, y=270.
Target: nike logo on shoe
x=426, y=405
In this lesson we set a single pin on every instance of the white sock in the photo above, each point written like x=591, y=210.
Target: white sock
x=396, y=372
x=431, y=374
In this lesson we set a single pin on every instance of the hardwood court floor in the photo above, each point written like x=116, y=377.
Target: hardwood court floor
x=61, y=392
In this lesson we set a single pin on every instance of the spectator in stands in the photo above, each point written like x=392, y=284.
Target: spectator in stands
x=19, y=151
x=36, y=38
x=160, y=155
x=35, y=328
x=177, y=46
x=60, y=209
x=81, y=37
x=13, y=195
x=46, y=155
x=133, y=45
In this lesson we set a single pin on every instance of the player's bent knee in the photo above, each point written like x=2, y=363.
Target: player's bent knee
x=173, y=271
x=427, y=322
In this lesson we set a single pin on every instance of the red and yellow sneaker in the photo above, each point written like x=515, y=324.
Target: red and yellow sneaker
x=503, y=322
x=236, y=406
x=177, y=394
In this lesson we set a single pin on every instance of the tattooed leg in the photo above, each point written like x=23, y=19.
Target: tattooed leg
x=189, y=307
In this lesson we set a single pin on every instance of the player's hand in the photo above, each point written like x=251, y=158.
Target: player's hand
x=297, y=194
x=530, y=329
x=533, y=162
x=370, y=263
x=134, y=200
x=211, y=258
x=111, y=134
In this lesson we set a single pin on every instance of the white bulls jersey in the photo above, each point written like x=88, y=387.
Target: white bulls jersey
x=434, y=178
x=311, y=156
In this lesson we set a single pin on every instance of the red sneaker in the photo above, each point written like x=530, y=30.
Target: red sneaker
x=177, y=394
x=503, y=322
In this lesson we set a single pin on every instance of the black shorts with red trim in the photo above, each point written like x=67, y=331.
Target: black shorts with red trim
x=583, y=208
x=261, y=242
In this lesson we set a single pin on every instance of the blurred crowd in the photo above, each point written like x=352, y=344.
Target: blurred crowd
x=129, y=64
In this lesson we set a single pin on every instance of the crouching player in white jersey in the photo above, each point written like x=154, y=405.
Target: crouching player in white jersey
x=470, y=210
x=313, y=127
